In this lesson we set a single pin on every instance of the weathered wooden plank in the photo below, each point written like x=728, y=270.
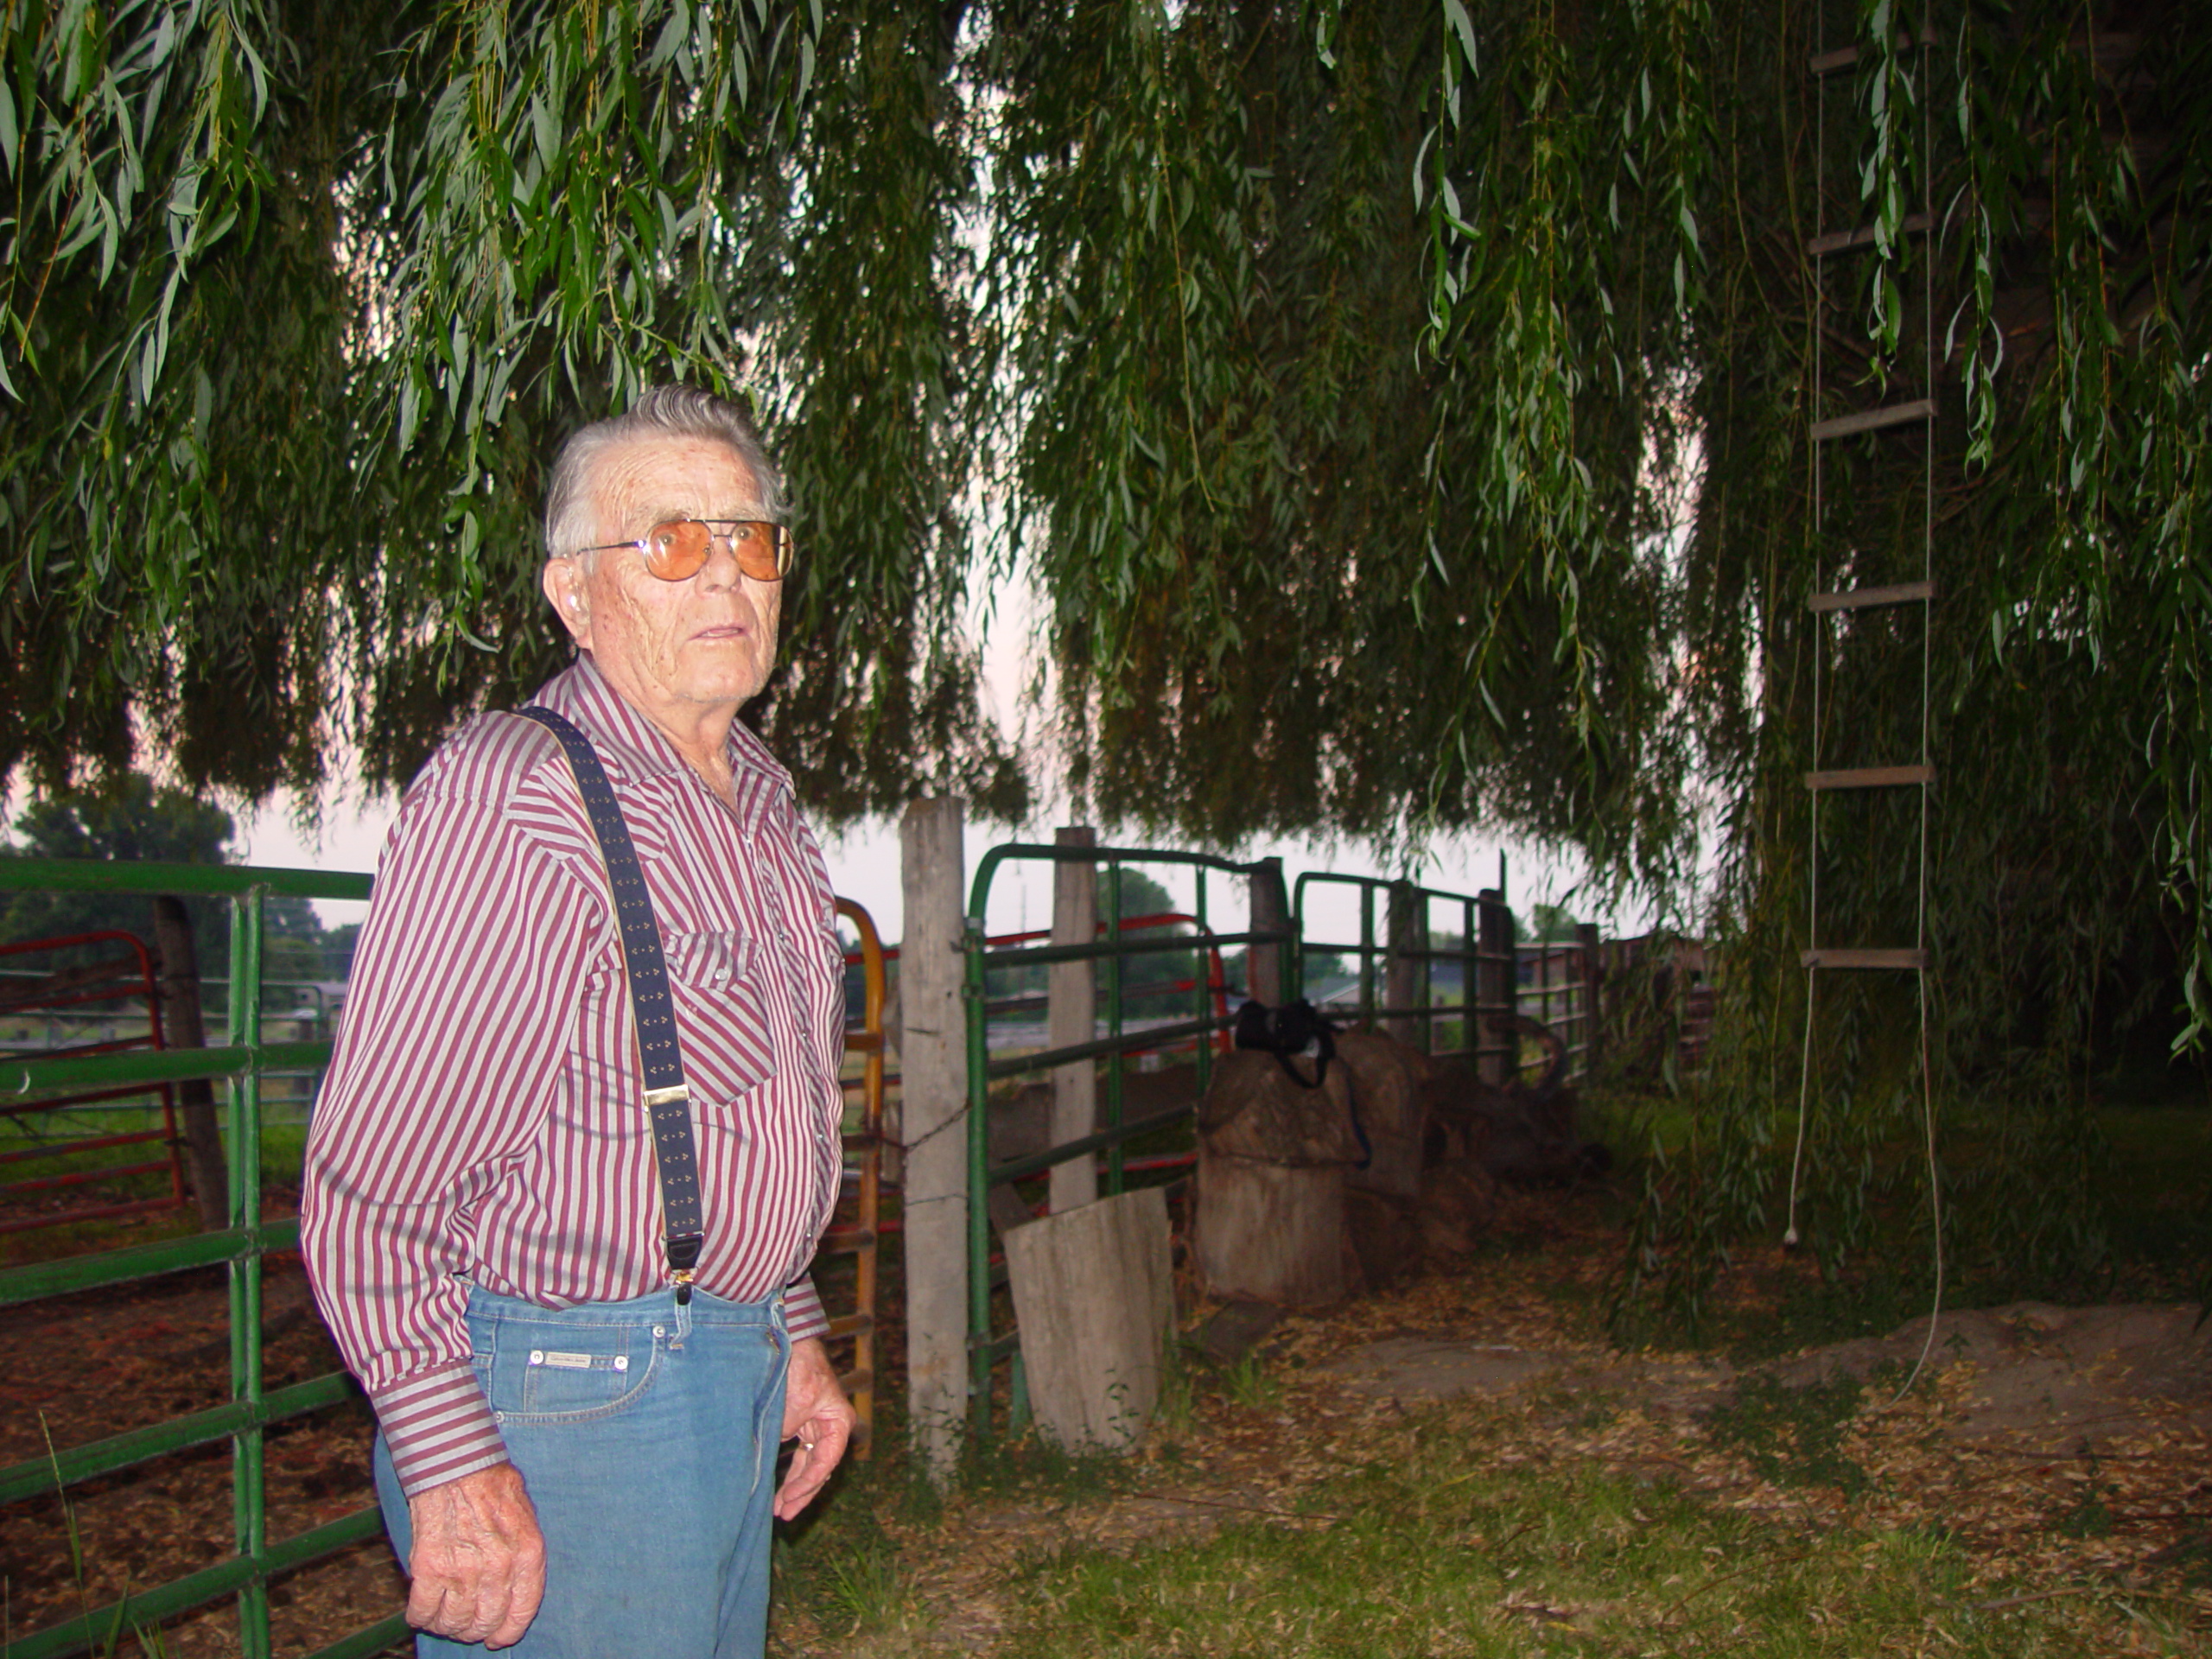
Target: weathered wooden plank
x=1863, y=957
x=1870, y=777
x=1873, y=420
x=1863, y=237
x=1827, y=63
x=1862, y=599
x=1093, y=1298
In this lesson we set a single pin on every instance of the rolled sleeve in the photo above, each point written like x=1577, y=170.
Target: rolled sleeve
x=802, y=1313
x=438, y=1427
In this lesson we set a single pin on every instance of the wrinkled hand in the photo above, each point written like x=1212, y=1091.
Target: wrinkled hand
x=817, y=1411
x=478, y=1567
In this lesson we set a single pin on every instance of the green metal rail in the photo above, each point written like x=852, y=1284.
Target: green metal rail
x=1470, y=956
x=984, y=1348
x=242, y=1061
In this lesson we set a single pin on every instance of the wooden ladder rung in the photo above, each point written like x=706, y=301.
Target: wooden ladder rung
x=1864, y=599
x=1870, y=777
x=1827, y=63
x=1860, y=957
x=863, y=1042
x=1844, y=241
x=1872, y=420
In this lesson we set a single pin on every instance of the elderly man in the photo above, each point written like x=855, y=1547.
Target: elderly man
x=564, y=1253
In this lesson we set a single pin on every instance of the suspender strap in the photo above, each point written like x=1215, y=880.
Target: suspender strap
x=668, y=1097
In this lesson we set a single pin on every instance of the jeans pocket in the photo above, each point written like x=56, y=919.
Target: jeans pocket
x=550, y=1372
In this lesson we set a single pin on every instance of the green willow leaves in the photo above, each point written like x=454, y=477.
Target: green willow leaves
x=1401, y=407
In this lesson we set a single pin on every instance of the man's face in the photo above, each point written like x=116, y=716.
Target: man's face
x=674, y=650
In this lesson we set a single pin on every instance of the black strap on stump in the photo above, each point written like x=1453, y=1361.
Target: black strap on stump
x=668, y=1097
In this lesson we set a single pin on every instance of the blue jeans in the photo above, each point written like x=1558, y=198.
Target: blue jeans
x=646, y=1433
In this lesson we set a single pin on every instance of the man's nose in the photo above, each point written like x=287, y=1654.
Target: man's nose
x=720, y=569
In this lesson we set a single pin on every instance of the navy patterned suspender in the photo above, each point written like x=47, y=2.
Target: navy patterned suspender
x=668, y=1097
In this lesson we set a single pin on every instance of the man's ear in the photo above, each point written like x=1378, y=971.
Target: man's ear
x=563, y=581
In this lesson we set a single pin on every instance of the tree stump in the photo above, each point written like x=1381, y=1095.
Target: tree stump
x=1269, y=1221
x=1390, y=1094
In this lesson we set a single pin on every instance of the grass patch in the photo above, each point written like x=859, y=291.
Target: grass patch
x=1444, y=1549
x=1813, y=1312
x=1450, y=1536
x=835, y=1571
x=1794, y=1437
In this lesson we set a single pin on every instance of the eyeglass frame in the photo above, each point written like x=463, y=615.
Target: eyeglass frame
x=785, y=546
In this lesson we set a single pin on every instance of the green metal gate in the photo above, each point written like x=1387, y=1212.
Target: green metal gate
x=984, y=1348
x=242, y=1061
x=1486, y=956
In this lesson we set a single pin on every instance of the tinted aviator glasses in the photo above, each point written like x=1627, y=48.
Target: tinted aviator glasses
x=677, y=550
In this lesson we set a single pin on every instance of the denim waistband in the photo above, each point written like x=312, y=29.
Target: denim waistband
x=660, y=1304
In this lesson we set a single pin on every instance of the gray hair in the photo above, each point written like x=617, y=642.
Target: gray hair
x=661, y=412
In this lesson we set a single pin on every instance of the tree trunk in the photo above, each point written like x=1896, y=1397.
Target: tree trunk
x=181, y=1028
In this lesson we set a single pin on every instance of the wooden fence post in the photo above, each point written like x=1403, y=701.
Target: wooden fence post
x=933, y=1068
x=1497, y=1047
x=1073, y=1018
x=1593, y=1021
x=1403, y=933
x=1270, y=912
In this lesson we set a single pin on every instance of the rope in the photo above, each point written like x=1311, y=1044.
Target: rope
x=1790, y=1236
x=1926, y=639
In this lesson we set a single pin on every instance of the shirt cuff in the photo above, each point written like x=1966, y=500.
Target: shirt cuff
x=803, y=1314
x=439, y=1428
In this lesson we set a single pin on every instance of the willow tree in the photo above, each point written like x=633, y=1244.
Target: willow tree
x=1402, y=407
x=300, y=297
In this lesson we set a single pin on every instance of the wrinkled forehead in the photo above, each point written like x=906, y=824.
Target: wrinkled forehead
x=646, y=481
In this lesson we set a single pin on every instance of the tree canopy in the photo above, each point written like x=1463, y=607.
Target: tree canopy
x=1401, y=407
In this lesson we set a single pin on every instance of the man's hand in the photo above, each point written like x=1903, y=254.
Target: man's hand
x=478, y=1567
x=817, y=1411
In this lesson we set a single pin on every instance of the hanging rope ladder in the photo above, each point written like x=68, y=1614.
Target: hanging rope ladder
x=1830, y=609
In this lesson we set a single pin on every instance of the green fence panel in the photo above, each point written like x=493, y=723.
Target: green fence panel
x=1373, y=951
x=1109, y=952
x=242, y=1061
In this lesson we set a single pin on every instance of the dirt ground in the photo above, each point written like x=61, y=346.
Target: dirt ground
x=2034, y=1414
x=83, y=1367
x=2068, y=1448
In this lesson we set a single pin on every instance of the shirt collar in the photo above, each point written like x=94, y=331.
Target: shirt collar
x=633, y=749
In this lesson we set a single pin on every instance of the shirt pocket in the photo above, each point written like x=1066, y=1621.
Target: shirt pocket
x=722, y=1016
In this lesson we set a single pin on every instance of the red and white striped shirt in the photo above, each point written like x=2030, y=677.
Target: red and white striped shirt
x=484, y=1118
